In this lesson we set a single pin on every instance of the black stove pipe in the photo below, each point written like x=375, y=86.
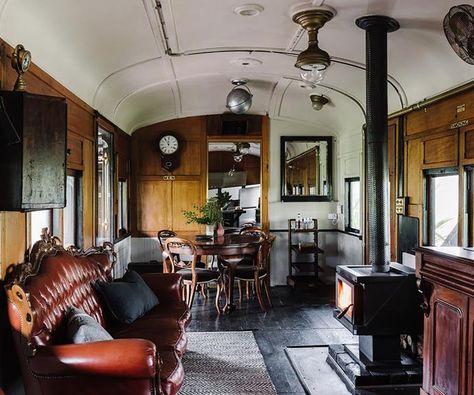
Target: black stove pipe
x=377, y=27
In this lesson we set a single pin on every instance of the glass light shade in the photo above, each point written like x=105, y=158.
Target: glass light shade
x=317, y=106
x=314, y=74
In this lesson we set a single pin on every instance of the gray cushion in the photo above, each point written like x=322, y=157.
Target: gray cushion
x=82, y=328
x=128, y=298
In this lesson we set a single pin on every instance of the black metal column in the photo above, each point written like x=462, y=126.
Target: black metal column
x=377, y=27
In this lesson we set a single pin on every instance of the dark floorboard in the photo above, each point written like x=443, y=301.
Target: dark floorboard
x=298, y=318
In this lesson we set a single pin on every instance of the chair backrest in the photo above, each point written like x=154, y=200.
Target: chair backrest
x=241, y=253
x=164, y=234
x=265, y=247
x=253, y=231
x=178, y=247
x=265, y=250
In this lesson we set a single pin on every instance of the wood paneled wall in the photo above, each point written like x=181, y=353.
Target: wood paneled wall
x=159, y=197
x=81, y=125
x=437, y=136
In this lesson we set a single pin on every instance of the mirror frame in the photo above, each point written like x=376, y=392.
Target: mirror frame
x=305, y=198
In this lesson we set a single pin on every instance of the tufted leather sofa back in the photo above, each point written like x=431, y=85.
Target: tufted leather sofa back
x=64, y=280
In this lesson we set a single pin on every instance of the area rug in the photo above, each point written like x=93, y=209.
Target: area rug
x=225, y=363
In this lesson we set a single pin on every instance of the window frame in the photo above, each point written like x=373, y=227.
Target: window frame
x=78, y=205
x=428, y=175
x=347, y=202
x=110, y=133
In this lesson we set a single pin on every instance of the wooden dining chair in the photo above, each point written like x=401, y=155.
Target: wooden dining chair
x=257, y=274
x=191, y=274
x=162, y=236
x=231, y=260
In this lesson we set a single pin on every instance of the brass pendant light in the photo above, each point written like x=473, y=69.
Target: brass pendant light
x=313, y=61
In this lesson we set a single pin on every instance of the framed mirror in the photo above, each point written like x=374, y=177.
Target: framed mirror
x=306, y=168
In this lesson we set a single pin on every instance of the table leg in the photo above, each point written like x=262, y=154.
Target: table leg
x=230, y=294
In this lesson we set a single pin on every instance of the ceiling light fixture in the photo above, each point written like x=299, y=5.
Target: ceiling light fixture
x=239, y=99
x=248, y=9
x=318, y=101
x=313, y=61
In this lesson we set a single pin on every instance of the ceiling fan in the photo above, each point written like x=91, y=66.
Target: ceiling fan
x=458, y=27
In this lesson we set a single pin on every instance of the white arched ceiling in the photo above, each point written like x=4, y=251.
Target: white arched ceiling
x=112, y=54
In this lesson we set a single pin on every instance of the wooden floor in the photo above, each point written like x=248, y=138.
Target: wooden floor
x=297, y=319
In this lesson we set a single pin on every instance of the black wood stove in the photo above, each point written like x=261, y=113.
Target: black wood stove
x=378, y=307
x=379, y=301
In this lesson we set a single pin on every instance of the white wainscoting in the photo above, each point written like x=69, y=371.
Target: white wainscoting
x=123, y=250
x=145, y=249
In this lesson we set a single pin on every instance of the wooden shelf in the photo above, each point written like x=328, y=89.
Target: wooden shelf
x=300, y=245
x=302, y=282
x=297, y=264
x=306, y=249
x=304, y=230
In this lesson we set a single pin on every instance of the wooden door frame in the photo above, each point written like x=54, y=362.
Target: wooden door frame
x=263, y=139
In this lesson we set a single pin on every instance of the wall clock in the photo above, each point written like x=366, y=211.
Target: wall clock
x=21, y=60
x=169, y=148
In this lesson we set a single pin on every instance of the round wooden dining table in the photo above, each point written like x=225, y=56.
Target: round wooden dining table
x=231, y=249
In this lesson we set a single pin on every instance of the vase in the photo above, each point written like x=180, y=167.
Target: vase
x=210, y=230
x=220, y=230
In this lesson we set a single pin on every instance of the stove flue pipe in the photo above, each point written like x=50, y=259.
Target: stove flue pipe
x=377, y=27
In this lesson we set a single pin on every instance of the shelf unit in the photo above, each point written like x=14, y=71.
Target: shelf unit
x=297, y=248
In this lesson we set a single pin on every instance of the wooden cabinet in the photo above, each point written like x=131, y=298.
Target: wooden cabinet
x=440, y=151
x=74, y=152
x=447, y=283
x=160, y=205
x=32, y=152
x=470, y=361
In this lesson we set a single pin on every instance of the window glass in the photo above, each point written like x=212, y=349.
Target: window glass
x=122, y=208
x=69, y=213
x=39, y=220
x=72, y=213
x=443, y=210
x=352, y=203
x=105, y=223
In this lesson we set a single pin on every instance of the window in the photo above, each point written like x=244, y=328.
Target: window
x=442, y=207
x=37, y=221
x=352, y=203
x=72, y=219
x=105, y=172
x=122, y=220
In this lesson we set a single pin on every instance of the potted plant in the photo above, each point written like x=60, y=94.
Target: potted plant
x=209, y=215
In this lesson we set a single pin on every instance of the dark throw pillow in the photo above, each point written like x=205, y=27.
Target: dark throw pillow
x=127, y=298
x=82, y=328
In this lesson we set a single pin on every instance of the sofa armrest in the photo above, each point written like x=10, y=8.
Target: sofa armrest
x=130, y=358
x=166, y=286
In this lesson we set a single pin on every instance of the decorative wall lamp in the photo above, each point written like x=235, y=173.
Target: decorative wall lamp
x=313, y=61
x=239, y=99
x=318, y=101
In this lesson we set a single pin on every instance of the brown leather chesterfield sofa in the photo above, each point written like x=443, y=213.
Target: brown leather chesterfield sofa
x=143, y=358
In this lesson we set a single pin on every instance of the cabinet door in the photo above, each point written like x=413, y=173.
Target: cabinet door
x=446, y=343
x=154, y=206
x=74, y=152
x=186, y=194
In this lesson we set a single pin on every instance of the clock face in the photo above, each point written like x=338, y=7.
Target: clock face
x=168, y=145
x=25, y=62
